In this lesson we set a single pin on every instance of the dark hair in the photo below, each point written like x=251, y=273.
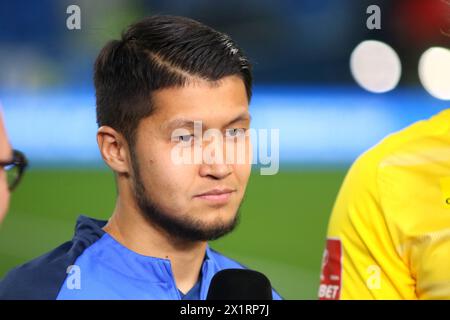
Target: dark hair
x=160, y=52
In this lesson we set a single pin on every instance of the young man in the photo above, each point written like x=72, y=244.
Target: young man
x=389, y=233
x=165, y=74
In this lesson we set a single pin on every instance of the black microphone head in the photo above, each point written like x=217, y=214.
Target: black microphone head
x=239, y=284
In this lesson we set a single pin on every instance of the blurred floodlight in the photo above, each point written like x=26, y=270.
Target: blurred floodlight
x=434, y=72
x=375, y=66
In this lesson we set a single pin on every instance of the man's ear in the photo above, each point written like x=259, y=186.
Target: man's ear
x=114, y=149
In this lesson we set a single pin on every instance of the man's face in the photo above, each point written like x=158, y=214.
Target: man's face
x=171, y=194
x=5, y=155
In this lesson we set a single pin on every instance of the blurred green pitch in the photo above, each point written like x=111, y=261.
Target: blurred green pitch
x=281, y=231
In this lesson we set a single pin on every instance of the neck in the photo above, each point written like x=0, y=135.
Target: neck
x=129, y=227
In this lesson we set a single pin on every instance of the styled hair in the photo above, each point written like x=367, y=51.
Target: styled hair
x=160, y=52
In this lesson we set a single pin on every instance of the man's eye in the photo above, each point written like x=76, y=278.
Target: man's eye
x=235, y=132
x=185, y=138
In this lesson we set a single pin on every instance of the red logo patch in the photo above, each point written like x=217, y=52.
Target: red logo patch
x=331, y=277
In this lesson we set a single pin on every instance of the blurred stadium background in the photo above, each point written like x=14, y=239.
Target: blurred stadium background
x=328, y=111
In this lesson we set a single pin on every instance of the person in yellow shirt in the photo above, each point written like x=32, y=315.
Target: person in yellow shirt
x=389, y=232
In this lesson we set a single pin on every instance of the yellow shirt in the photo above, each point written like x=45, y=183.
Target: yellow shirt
x=389, y=232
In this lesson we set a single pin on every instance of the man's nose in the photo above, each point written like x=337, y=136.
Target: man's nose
x=216, y=171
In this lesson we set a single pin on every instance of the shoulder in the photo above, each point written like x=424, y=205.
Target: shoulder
x=401, y=145
x=39, y=278
x=398, y=162
x=412, y=145
x=42, y=278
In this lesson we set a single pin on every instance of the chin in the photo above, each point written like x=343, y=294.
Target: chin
x=218, y=217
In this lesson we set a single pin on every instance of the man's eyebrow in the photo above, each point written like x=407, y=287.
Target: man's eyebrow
x=178, y=123
x=188, y=123
x=244, y=116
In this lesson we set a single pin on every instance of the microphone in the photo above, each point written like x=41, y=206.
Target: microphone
x=239, y=284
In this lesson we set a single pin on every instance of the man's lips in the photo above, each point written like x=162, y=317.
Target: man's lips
x=216, y=195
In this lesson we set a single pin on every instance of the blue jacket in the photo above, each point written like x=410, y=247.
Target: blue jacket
x=95, y=266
